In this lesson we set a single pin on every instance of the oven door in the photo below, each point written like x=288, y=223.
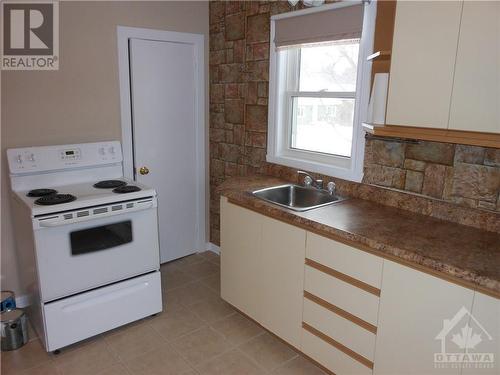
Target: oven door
x=89, y=252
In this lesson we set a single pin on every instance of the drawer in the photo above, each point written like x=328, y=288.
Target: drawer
x=85, y=315
x=329, y=356
x=356, y=263
x=339, y=328
x=353, y=299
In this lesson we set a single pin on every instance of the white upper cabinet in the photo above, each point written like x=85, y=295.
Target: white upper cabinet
x=422, y=63
x=475, y=103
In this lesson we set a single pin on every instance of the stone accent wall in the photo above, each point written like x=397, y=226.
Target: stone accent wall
x=239, y=75
x=465, y=175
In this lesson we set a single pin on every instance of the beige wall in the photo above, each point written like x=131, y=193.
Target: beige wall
x=79, y=102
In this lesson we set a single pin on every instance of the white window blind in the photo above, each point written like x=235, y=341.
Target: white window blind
x=330, y=25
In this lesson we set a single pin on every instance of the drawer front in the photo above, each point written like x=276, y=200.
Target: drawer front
x=350, y=298
x=346, y=332
x=346, y=259
x=85, y=315
x=330, y=357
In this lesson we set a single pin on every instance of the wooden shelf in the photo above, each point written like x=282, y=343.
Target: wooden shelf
x=437, y=135
x=381, y=55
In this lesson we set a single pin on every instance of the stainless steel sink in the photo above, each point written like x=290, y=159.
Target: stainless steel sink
x=296, y=197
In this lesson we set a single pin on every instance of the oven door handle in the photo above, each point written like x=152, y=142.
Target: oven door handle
x=59, y=222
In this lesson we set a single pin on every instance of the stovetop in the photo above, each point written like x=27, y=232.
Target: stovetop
x=41, y=192
x=53, y=199
x=76, y=196
x=109, y=184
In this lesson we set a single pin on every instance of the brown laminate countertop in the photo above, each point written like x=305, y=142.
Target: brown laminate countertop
x=467, y=255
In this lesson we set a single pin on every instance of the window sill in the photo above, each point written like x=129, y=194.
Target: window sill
x=313, y=166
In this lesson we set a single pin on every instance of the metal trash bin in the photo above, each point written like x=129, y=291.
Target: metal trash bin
x=14, y=329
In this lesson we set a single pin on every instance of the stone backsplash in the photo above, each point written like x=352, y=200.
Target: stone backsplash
x=458, y=176
x=465, y=175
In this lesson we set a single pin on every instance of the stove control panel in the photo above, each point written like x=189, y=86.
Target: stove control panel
x=52, y=158
x=71, y=154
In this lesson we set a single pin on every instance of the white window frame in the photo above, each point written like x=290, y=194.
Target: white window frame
x=279, y=128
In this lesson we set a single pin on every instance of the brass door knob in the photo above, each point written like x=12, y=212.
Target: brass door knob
x=143, y=170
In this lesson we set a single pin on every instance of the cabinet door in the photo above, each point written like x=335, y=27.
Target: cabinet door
x=241, y=244
x=282, y=277
x=475, y=103
x=413, y=310
x=422, y=63
x=485, y=321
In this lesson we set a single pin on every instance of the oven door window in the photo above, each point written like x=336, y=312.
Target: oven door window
x=100, y=238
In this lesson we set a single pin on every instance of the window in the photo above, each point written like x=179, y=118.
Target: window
x=323, y=99
x=316, y=92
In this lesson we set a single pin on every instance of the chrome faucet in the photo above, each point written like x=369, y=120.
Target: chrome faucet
x=310, y=181
x=331, y=188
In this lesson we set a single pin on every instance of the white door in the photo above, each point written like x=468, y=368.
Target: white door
x=166, y=139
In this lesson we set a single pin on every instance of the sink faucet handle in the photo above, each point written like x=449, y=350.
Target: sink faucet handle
x=331, y=187
x=308, y=181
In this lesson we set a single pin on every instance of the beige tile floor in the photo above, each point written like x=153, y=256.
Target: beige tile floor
x=197, y=333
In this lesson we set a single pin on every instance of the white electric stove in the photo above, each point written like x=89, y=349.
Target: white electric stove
x=86, y=238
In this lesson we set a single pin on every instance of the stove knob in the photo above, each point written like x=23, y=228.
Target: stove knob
x=19, y=159
x=31, y=157
x=102, y=151
x=111, y=150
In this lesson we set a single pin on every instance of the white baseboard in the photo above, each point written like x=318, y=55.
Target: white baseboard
x=22, y=301
x=213, y=248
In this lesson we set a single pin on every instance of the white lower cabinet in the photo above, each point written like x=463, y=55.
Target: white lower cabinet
x=415, y=308
x=330, y=357
x=341, y=300
x=262, y=269
x=343, y=295
x=485, y=322
x=345, y=259
x=241, y=246
x=358, y=339
x=351, y=311
x=282, y=278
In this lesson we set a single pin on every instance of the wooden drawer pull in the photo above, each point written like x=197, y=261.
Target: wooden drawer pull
x=344, y=314
x=343, y=277
x=338, y=345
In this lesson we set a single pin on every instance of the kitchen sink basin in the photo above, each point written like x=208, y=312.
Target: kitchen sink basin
x=296, y=197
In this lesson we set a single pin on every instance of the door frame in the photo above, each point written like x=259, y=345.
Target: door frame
x=124, y=34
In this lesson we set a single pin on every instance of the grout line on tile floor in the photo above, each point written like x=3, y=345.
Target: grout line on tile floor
x=207, y=360
x=205, y=325
x=287, y=362
x=238, y=348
